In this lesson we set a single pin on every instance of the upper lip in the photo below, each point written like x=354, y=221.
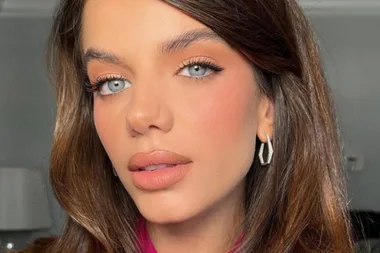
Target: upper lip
x=156, y=157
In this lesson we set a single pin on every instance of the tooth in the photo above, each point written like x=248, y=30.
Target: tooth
x=156, y=167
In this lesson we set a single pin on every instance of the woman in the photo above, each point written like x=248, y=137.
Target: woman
x=193, y=126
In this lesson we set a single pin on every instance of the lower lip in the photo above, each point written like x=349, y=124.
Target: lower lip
x=159, y=179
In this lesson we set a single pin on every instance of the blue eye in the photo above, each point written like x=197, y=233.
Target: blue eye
x=199, y=69
x=109, y=85
x=113, y=86
x=196, y=71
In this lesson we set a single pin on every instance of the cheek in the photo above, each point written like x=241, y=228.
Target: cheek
x=229, y=112
x=226, y=123
x=101, y=120
x=106, y=118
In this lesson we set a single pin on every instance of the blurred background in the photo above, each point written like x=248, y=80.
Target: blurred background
x=349, y=36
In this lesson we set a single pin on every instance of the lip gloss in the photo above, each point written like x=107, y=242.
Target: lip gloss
x=160, y=179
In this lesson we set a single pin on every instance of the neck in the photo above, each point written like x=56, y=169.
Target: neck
x=214, y=231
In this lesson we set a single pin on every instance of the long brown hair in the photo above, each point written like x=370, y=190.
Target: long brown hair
x=297, y=204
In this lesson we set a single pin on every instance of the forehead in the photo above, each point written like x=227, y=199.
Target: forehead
x=134, y=22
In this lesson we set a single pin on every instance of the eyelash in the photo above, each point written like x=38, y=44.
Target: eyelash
x=203, y=63
x=98, y=83
x=95, y=86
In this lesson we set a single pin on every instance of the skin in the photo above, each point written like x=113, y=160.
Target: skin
x=213, y=120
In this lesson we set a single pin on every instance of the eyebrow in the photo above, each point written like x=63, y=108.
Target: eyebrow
x=170, y=46
x=93, y=54
x=182, y=41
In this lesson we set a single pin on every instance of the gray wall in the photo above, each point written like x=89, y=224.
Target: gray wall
x=351, y=53
x=27, y=102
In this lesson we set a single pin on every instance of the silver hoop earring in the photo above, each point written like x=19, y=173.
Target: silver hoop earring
x=270, y=152
x=114, y=172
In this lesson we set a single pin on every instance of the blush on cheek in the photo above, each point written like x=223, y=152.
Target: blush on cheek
x=104, y=121
x=99, y=120
x=109, y=115
x=229, y=110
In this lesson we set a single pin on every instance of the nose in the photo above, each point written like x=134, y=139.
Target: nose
x=147, y=110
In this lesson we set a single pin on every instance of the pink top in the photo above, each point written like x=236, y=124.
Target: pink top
x=146, y=244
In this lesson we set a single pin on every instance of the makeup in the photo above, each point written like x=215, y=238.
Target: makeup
x=161, y=178
x=158, y=169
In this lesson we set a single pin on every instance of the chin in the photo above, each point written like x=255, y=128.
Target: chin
x=160, y=208
x=162, y=217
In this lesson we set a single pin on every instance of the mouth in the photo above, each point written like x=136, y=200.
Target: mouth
x=157, y=167
x=158, y=170
x=156, y=160
x=160, y=177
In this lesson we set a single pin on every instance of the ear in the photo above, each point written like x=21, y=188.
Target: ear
x=265, y=119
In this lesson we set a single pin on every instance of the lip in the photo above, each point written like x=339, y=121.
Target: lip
x=156, y=157
x=160, y=179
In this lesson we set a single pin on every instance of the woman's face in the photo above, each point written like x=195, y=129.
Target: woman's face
x=168, y=83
